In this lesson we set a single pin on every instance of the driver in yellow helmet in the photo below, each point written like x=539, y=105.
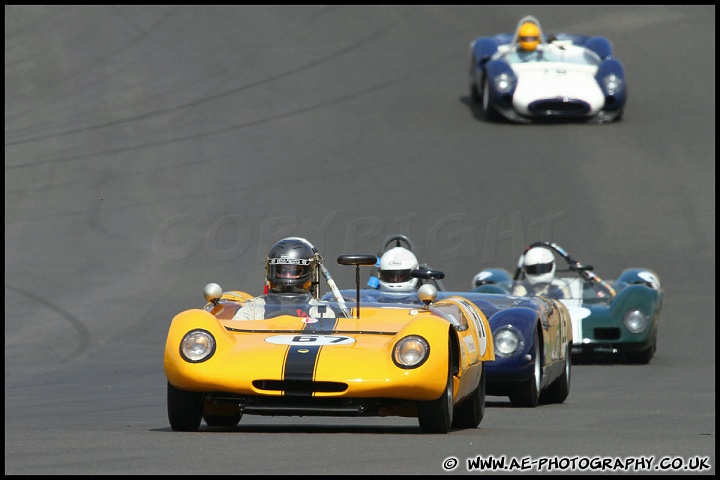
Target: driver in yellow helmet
x=527, y=37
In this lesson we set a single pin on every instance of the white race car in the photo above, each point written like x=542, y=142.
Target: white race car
x=564, y=77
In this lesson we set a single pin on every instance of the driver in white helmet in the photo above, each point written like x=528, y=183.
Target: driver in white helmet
x=395, y=282
x=394, y=271
x=539, y=269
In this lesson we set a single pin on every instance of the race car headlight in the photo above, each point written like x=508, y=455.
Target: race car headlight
x=508, y=341
x=411, y=352
x=197, y=346
x=635, y=321
x=504, y=83
x=612, y=83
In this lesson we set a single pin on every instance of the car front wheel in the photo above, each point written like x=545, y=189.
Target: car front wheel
x=560, y=389
x=644, y=357
x=436, y=416
x=471, y=412
x=527, y=393
x=490, y=113
x=474, y=92
x=185, y=409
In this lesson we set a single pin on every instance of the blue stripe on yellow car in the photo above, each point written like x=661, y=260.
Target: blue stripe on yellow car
x=300, y=360
x=300, y=367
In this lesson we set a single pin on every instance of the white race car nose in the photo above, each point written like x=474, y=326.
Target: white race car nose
x=556, y=88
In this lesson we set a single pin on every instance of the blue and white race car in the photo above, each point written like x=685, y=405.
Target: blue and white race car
x=532, y=336
x=564, y=77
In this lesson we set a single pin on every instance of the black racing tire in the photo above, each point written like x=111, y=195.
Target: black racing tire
x=527, y=393
x=185, y=409
x=470, y=413
x=560, y=388
x=436, y=416
x=643, y=357
x=491, y=114
x=474, y=92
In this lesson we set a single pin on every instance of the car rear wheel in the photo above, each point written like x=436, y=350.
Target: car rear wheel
x=471, y=412
x=436, y=416
x=560, y=389
x=527, y=394
x=185, y=409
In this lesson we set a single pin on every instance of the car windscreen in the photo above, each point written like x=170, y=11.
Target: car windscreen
x=553, y=53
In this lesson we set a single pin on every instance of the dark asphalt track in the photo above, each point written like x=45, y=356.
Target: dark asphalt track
x=150, y=150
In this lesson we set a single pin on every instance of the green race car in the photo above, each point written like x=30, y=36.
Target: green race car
x=615, y=317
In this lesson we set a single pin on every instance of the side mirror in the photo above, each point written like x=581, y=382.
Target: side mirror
x=427, y=294
x=212, y=293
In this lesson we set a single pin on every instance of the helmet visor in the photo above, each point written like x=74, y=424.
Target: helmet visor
x=288, y=268
x=288, y=271
x=395, y=276
x=538, y=268
x=530, y=39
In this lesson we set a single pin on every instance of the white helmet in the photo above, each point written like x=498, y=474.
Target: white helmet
x=539, y=265
x=481, y=278
x=394, y=270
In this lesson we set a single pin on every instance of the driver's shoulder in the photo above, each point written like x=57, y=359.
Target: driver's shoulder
x=255, y=301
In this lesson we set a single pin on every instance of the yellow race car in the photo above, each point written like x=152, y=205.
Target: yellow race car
x=329, y=359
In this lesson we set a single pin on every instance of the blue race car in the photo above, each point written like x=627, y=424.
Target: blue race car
x=532, y=336
x=564, y=77
x=616, y=317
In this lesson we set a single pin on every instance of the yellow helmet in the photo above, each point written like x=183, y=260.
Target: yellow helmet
x=529, y=36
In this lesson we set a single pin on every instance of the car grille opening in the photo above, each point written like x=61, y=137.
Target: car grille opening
x=559, y=106
x=607, y=333
x=309, y=405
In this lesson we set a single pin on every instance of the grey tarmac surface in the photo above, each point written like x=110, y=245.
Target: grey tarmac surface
x=150, y=150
